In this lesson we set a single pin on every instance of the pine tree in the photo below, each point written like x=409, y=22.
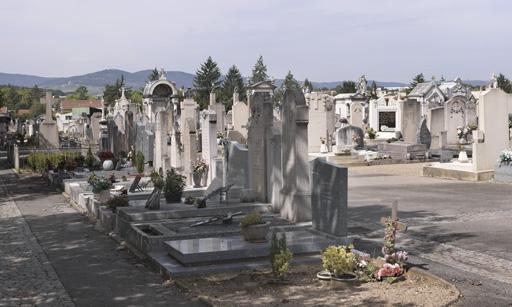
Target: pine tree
x=346, y=87
x=419, y=78
x=207, y=79
x=113, y=92
x=373, y=90
x=504, y=83
x=308, y=85
x=154, y=75
x=259, y=72
x=290, y=82
x=232, y=81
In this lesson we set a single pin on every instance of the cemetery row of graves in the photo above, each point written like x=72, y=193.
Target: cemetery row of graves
x=266, y=188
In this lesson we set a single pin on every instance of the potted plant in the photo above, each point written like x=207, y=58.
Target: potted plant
x=101, y=186
x=174, y=185
x=220, y=137
x=339, y=263
x=106, y=158
x=199, y=168
x=117, y=201
x=89, y=159
x=254, y=229
x=139, y=162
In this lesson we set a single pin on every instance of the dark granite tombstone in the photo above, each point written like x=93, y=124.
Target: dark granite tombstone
x=329, y=191
x=135, y=184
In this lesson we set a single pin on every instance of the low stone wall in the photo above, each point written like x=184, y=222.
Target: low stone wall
x=432, y=171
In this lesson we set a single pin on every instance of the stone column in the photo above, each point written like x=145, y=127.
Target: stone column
x=295, y=194
x=209, y=139
x=189, y=149
x=260, y=123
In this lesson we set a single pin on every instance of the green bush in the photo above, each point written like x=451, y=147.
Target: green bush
x=280, y=256
x=41, y=161
x=339, y=259
x=174, y=185
x=139, y=162
x=117, y=201
x=371, y=133
x=252, y=218
x=89, y=159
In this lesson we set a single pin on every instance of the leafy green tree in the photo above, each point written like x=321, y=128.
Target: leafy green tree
x=207, y=79
x=232, y=81
x=35, y=94
x=2, y=99
x=504, y=83
x=346, y=87
x=136, y=96
x=81, y=93
x=37, y=109
x=12, y=98
x=154, y=75
x=259, y=72
x=308, y=85
x=419, y=78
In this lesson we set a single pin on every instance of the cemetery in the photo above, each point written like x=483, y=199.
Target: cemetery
x=258, y=197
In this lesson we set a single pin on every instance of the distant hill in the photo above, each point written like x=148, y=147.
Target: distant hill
x=96, y=81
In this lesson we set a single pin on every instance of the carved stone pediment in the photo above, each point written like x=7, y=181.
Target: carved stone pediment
x=435, y=100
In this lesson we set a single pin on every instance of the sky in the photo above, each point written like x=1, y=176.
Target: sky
x=322, y=40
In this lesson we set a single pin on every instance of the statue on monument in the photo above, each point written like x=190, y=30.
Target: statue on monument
x=494, y=81
x=362, y=86
x=162, y=74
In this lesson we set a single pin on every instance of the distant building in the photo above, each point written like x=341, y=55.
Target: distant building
x=78, y=107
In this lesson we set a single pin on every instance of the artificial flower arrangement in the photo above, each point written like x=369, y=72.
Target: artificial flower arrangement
x=505, y=157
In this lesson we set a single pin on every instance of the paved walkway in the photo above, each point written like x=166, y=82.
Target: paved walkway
x=50, y=256
x=461, y=231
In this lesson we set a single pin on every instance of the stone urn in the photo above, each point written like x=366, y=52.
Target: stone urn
x=463, y=157
x=197, y=178
x=256, y=233
x=108, y=165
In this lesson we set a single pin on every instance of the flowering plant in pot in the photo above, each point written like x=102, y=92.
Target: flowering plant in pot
x=139, y=162
x=505, y=158
x=199, y=169
x=254, y=229
x=101, y=186
x=174, y=185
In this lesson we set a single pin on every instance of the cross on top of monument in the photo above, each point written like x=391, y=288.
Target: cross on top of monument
x=394, y=218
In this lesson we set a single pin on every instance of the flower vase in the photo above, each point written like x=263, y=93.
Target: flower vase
x=323, y=148
x=197, y=178
x=204, y=179
x=463, y=157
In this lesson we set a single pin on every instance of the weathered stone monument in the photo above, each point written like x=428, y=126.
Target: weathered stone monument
x=48, y=131
x=329, y=191
x=240, y=118
x=348, y=137
x=295, y=193
x=209, y=140
x=321, y=120
x=258, y=140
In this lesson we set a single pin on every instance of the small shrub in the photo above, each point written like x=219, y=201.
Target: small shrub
x=371, y=133
x=339, y=259
x=139, y=162
x=89, y=159
x=117, y=201
x=174, y=185
x=280, y=256
x=199, y=167
x=252, y=218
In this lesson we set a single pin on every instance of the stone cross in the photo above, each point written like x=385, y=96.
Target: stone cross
x=394, y=218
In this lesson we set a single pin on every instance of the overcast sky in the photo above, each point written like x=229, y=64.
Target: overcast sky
x=388, y=40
